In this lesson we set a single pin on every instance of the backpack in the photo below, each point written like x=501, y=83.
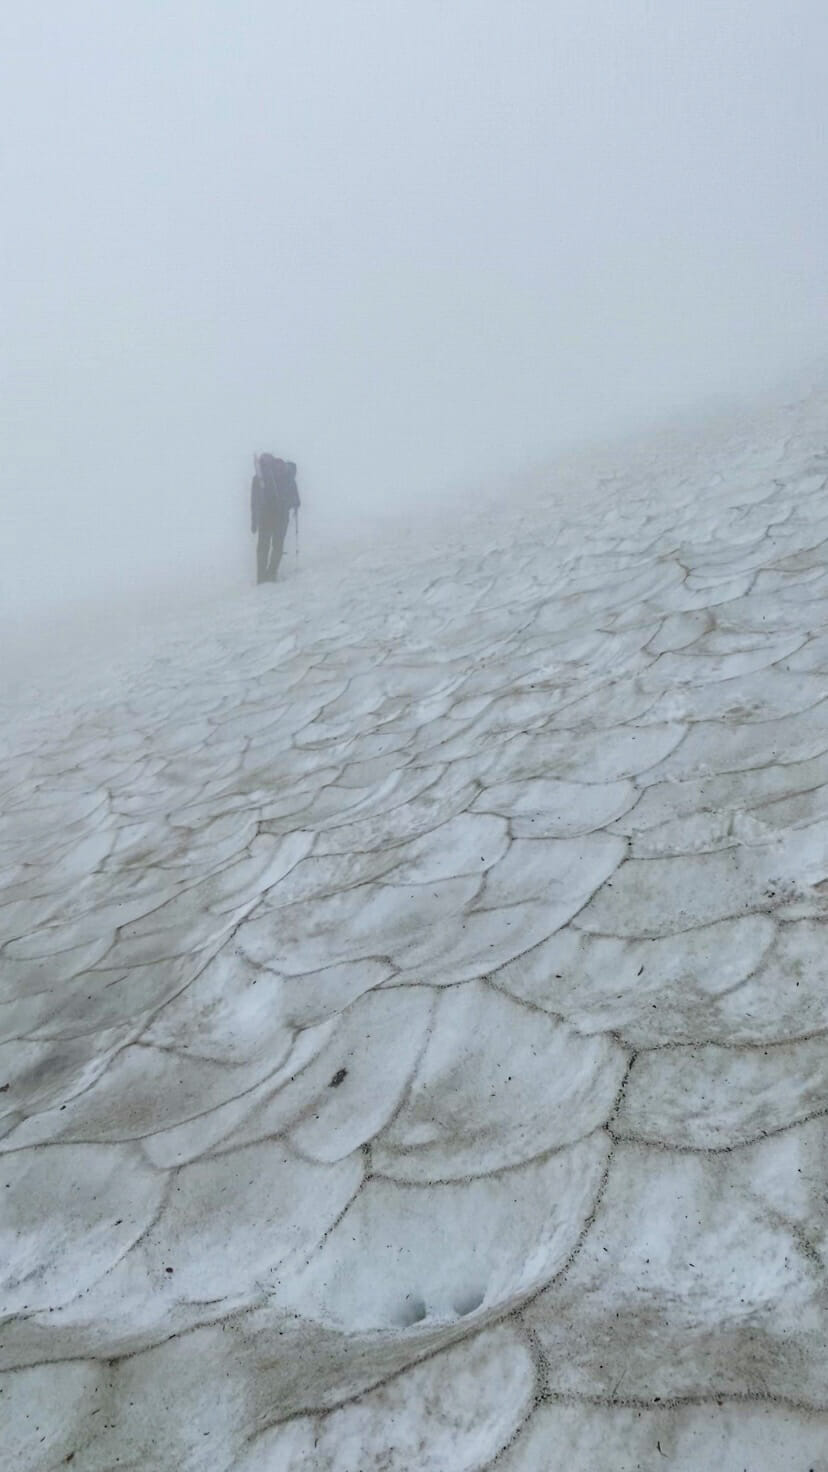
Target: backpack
x=290, y=490
x=271, y=479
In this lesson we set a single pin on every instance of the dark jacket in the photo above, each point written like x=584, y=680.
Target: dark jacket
x=273, y=491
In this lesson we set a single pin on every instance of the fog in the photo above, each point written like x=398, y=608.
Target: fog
x=409, y=245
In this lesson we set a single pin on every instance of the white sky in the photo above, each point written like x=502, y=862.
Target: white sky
x=406, y=243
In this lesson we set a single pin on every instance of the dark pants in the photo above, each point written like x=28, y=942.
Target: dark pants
x=273, y=525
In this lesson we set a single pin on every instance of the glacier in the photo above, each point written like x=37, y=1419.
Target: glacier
x=427, y=957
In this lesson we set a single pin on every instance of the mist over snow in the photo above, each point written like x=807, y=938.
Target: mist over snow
x=413, y=998
x=413, y=981
x=409, y=246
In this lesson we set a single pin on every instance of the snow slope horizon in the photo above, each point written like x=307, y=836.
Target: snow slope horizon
x=414, y=1001
x=61, y=635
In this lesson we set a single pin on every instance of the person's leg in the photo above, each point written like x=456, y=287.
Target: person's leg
x=279, y=533
x=262, y=552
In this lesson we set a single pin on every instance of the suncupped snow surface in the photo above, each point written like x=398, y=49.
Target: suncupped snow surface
x=414, y=1002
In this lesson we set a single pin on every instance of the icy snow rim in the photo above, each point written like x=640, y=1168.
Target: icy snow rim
x=414, y=1007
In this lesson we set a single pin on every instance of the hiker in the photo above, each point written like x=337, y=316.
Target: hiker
x=273, y=495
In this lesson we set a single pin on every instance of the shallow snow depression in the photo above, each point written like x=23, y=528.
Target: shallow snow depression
x=414, y=996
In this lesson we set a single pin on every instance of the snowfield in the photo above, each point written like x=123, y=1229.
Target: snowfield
x=414, y=1002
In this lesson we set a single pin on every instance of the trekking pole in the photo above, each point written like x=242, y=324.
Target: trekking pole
x=296, y=529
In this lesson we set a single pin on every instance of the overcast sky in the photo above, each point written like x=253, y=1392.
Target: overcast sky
x=406, y=243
